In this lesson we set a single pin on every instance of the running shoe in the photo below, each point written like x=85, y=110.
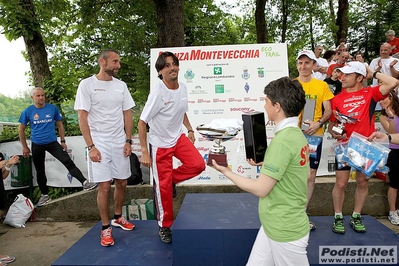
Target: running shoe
x=338, y=225
x=394, y=218
x=123, y=223
x=312, y=225
x=106, y=237
x=89, y=186
x=43, y=200
x=165, y=234
x=357, y=223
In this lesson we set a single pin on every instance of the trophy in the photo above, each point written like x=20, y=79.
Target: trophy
x=217, y=151
x=343, y=119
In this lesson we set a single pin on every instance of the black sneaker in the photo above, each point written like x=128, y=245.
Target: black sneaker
x=165, y=234
x=174, y=190
x=312, y=225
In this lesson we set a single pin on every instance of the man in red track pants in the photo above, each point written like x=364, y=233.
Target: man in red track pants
x=165, y=113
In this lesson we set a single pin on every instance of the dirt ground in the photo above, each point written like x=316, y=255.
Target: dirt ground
x=42, y=243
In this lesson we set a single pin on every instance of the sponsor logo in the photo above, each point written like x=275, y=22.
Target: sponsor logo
x=234, y=100
x=247, y=99
x=246, y=87
x=219, y=88
x=204, y=177
x=198, y=90
x=218, y=100
x=217, y=71
x=222, y=177
x=212, y=111
x=241, y=109
x=268, y=51
x=203, y=101
x=261, y=72
x=240, y=169
x=245, y=73
x=42, y=121
x=189, y=75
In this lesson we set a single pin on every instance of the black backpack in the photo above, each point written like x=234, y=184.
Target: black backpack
x=137, y=175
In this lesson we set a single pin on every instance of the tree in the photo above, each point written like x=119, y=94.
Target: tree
x=170, y=23
x=260, y=21
x=19, y=19
x=342, y=20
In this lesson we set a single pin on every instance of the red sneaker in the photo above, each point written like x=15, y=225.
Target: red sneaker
x=106, y=237
x=123, y=223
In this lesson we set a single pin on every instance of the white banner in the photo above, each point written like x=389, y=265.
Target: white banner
x=57, y=175
x=225, y=82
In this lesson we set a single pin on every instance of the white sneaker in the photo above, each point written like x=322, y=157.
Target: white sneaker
x=394, y=218
x=89, y=186
x=43, y=200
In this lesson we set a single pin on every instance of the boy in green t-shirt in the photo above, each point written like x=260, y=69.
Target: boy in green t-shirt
x=282, y=184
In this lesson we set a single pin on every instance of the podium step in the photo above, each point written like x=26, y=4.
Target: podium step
x=219, y=229
x=138, y=247
x=215, y=229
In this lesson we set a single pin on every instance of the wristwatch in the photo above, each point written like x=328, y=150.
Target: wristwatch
x=389, y=137
x=129, y=141
x=320, y=123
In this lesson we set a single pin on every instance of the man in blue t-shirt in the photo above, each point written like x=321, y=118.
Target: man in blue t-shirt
x=41, y=117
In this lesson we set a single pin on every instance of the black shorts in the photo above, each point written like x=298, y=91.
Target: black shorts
x=346, y=168
x=315, y=162
x=393, y=164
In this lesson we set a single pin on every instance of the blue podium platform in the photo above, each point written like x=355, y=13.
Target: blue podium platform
x=215, y=229
x=138, y=247
x=219, y=229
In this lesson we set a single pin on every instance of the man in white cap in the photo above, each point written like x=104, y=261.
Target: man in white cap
x=318, y=91
x=358, y=103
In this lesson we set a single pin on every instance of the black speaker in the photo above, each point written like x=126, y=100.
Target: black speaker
x=255, y=135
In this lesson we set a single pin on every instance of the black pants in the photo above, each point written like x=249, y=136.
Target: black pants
x=55, y=149
x=2, y=193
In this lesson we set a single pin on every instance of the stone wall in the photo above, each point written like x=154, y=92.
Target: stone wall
x=82, y=206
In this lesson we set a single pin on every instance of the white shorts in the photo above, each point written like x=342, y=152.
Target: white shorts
x=266, y=252
x=113, y=165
